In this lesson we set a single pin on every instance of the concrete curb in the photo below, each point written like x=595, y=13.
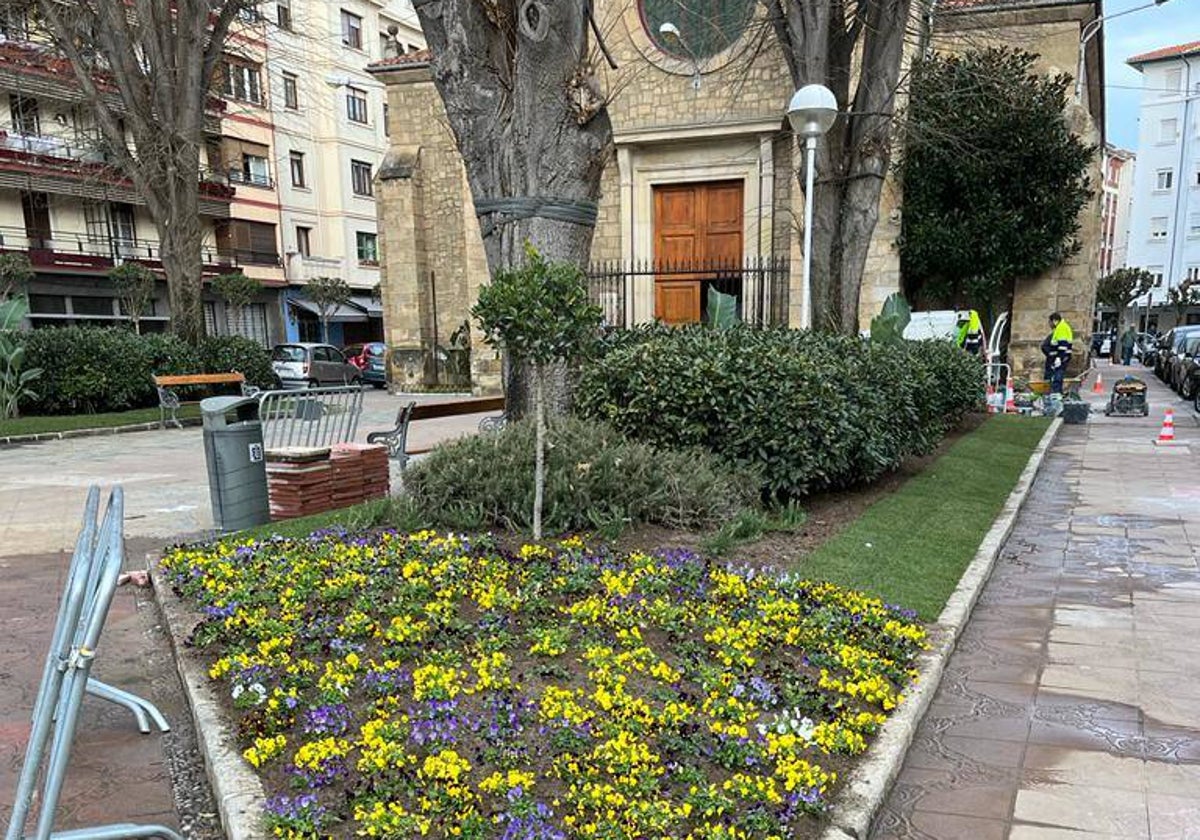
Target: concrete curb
x=871, y=780
x=67, y=434
x=237, y=790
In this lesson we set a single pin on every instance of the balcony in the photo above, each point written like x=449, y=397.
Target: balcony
x=96, y=254
x=39, y=163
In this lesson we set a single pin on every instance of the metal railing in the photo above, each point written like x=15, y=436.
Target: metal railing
x=625, y=291
x=312, y=417
x=92, y=579
x=115, y=248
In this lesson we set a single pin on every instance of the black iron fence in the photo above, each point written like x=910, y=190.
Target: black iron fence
x=630, y=293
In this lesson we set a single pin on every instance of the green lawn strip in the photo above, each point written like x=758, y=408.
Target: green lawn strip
x=70, y=422
x=925, y=534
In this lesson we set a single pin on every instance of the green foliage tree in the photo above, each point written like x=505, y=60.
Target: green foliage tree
x=1122, y=287
x=134, y=284
x=1183, y=297
x=15, y=379
x=993, y=178
x=888, y=326
x=16, y=272
x=539, y=313
x=327, y=294
x=238, y=291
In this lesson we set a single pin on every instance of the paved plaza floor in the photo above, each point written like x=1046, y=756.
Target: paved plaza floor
x=1071, y=707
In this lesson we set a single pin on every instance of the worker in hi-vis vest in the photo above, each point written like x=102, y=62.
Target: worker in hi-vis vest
x=1057, y=349
x=970, y=332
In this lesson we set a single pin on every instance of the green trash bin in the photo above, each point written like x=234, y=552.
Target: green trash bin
x=237, y=465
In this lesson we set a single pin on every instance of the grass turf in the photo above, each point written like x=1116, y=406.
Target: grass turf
x=69, y=422
x=911, y=548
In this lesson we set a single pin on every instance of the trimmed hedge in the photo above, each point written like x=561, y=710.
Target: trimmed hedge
x=595, y=478
x=90, y=370
x=812, y=411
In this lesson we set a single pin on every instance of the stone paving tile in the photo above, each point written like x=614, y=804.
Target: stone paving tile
x=1071, y=708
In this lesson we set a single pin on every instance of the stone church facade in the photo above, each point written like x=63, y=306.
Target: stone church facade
x=703, y=174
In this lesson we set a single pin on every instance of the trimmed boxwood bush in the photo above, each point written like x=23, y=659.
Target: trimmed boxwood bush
x=812, y=411
x=88, y=369
x=595, y=478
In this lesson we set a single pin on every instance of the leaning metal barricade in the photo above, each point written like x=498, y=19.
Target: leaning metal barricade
x=314, y=417
x=91, y=584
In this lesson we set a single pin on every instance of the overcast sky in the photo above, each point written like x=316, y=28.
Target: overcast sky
x=1175, y=22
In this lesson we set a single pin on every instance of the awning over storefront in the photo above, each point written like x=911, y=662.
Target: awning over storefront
x=368, y=304
x=347, y=314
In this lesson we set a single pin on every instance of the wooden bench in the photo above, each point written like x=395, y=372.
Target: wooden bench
x=396, y=438
x=168, y=398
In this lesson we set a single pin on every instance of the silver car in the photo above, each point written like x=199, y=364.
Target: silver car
x=306, y=365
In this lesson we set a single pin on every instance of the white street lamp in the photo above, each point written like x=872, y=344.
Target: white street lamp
x=669, y=29
x=811, y=113
x=1090, y=31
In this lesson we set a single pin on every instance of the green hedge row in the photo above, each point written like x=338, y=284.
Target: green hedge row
x=89, y=370
x=811, y=411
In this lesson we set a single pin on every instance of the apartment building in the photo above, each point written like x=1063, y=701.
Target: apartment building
x=330, y=124
x=62, y=200
x=1116, y=200
x=1165, y=230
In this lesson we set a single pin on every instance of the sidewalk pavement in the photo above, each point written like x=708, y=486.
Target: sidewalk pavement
x=43, y=485
x=1070, y=709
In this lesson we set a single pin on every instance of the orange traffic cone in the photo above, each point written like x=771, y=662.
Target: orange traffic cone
x=1010, y=405
x=1098, y=388
x=1166, y=437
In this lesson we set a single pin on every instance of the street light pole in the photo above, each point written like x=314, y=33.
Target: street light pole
x=811, y=114
x=1090, y=31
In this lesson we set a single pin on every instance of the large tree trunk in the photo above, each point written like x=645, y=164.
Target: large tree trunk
x=821, y=41
x=530, y=122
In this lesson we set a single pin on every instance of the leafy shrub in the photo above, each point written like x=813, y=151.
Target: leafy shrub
x=595, y=478
x=225, y=353
x=95, y=370
x=812, y=411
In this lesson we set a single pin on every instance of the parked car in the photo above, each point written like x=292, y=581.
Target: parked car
x=306, y=365
x=1187, y=368
x=371, y=359
x=1171, y=353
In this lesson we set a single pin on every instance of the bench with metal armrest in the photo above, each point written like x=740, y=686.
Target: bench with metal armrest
x=168, y=397
x=396, y=438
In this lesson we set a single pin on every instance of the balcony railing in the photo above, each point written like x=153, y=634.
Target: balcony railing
x=15, y=140
x=74, y=250
x=237, y=176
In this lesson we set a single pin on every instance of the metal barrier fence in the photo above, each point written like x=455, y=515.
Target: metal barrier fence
x=313, y=417
x=91, y=583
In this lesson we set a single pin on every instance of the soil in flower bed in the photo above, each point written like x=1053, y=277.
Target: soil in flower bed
x=407, y=686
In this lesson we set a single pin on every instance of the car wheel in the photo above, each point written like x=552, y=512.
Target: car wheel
x=356, y=382
x=379, y=386
x=312, y=383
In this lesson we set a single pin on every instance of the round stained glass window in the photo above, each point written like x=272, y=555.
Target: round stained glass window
x=705, y=27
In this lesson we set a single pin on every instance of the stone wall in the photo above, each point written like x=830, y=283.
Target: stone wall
x=430, y=246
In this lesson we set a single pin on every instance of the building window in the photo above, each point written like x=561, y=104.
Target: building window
x=387, y=129
x=296, y=161
x=1158, y=227
x=24, y=110
x=291, y=92
x=1174, y=80
x=1193, y=273
x=243, y=82
x=1156, y=272
x=360, y=178
x=356, y=105
x=250, y=14
x=368, y=248
x=255, y=171
x=304, y=241
x=1194, y=225
x=1168, y=130
x=705, y=27
x=1164, y=180
x=283, y=15
x=352, y=30
x=14, y=23
x=249, y=243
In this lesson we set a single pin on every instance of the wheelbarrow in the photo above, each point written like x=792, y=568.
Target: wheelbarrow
x=1128, y=399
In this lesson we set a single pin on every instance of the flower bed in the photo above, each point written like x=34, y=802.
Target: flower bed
x=406, y=686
